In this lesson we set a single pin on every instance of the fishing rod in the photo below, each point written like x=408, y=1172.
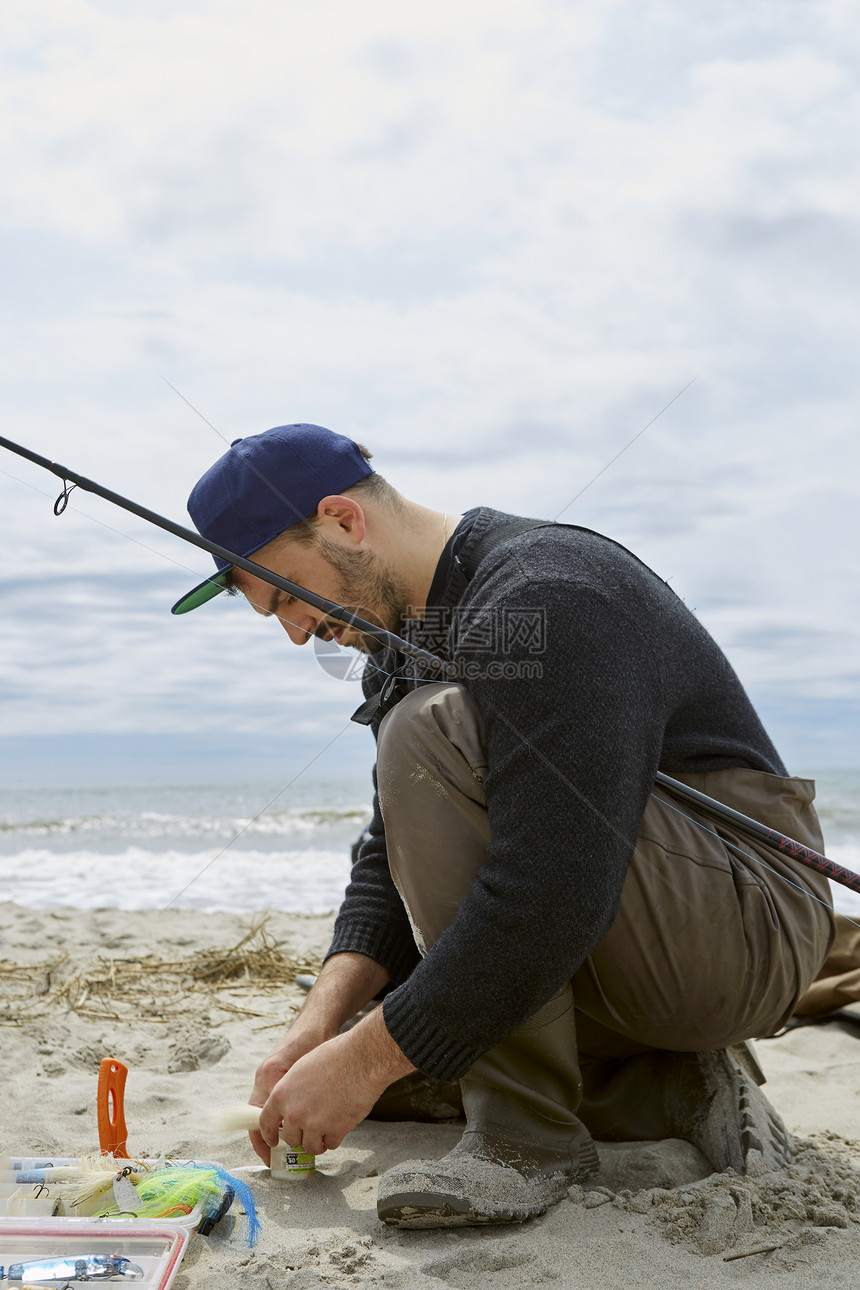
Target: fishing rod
x=328, y=607
x=774, y=839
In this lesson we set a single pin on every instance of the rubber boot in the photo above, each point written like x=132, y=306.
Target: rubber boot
x=712, y=1099
x=523, y=1145
x=419, y=1098
x=716, y=1103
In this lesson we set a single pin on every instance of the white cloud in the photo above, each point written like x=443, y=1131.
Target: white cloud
x=490, y=240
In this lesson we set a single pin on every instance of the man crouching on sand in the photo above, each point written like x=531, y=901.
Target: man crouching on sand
x=577, y=951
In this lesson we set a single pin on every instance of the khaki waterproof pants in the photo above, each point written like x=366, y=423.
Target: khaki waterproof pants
x=709, y=946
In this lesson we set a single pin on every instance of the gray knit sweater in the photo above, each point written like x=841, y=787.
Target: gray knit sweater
x=631, y=683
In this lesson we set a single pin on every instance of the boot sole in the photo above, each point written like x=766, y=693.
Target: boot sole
x=739, y=1129
x=428, y=1209
x=416, y=1198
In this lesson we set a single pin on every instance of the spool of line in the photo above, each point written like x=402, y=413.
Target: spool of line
x=290, y=1164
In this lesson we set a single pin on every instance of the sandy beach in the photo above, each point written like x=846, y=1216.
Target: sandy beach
x=190, y=1009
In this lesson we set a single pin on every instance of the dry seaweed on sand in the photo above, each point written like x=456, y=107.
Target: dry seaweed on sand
x=28, y=989
x=149, y=988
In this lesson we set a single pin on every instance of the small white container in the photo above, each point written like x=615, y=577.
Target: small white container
x=291, y=1164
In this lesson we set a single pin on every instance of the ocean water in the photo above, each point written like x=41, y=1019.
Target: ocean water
x=207, y=847
x=238, y=847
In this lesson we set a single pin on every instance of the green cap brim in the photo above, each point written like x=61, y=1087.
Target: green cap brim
x=199, y=595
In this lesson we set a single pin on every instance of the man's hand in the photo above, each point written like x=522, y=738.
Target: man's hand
x=346, y=983
x=299, y=1040
x=330, y=1089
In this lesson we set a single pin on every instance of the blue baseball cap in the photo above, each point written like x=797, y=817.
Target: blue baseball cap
x=263, y=485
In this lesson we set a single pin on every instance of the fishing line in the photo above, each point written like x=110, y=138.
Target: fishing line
x=427, y=680
x=582, y=797
x=679, y=787
x=638, y=435
x=201, y=416
x=384, y=637
x=611, y=827
x=118, y=532
x=304, y=519
x=595, y=811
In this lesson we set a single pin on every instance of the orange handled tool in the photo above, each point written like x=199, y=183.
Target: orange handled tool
x=112, y=1131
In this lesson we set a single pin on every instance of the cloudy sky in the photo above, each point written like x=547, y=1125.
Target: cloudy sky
x=490, y=239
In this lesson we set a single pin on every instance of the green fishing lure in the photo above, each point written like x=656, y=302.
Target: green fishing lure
x=177, y=1190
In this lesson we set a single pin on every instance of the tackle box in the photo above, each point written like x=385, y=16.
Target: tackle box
x=153, y=1246
x=38, y=1208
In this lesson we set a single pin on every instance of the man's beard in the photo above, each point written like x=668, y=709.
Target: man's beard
x=368, y=587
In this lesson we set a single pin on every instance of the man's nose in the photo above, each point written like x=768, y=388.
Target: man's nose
x=301, y=627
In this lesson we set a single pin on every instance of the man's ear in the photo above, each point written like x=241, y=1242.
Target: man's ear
x=342, y=520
